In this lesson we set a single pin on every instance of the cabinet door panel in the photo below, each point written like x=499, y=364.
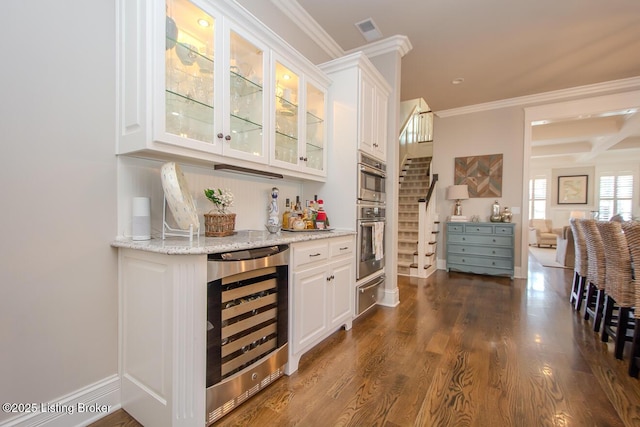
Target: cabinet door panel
x=341, y=291
x=380, y=135
x=310, y=306
x=315, y=128
x=189, y=77
x=246, y=102
x=367, y=117
x=287, y=91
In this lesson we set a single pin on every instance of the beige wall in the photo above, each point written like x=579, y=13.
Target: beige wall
x=489, y=132
x=58, y=274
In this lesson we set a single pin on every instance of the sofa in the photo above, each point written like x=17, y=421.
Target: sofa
x=541, y=232
x=565, y=251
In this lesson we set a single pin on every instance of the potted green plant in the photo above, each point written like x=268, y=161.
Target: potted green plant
x=219, y=222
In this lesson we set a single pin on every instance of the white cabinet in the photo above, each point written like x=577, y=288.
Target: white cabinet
x=321, y=292
x=197, y=81
x=300, y=109
x=192, y=83
x=374, y=97
x=362, y=88
x=162, y=317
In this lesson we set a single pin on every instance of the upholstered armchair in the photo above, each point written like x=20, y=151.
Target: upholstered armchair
x=565, y=251
x=544, y=232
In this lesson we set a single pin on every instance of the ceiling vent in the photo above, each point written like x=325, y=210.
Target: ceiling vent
x=369, y=30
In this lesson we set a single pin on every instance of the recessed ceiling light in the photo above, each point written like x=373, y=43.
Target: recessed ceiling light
x=457, y=81
x=203, y=22
x=286, y=77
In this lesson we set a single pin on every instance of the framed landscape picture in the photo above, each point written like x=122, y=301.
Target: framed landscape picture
x=572, y=189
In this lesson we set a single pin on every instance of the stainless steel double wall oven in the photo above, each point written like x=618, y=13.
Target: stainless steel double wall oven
x=372, y=175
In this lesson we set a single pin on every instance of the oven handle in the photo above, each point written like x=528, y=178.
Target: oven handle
x=371, y=170
x=370, y=223
x=366, y=288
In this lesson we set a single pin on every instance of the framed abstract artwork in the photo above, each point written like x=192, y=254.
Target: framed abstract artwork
x=482, y=175
x=572, y=189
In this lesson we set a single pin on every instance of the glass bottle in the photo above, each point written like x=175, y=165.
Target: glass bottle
x=286, y=214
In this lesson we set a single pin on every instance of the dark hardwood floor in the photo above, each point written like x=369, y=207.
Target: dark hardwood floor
x=459, y=350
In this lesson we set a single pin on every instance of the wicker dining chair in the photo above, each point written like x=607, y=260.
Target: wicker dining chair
x=581, y=264
x=619, y=286
x=632, y=234
x=594, y=300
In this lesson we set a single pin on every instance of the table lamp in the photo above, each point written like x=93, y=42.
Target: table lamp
x=457, y=193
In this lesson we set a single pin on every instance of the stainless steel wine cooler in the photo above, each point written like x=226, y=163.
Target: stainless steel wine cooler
x=247, y=336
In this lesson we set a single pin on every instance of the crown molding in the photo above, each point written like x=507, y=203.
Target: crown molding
x=545, y=97
x=397, y=43
x=309, y=26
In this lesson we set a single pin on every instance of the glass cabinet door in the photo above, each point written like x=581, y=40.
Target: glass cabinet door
x=246, y=98
x=286, y=117
x=315, y=124
x=189, y=85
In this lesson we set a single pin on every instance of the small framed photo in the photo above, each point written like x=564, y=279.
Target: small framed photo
x=572, y=189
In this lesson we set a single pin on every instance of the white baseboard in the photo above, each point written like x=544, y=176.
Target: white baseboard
x=390, y=297
x=79, y=408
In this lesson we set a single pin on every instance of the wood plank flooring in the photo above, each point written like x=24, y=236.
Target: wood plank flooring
x=459, y=350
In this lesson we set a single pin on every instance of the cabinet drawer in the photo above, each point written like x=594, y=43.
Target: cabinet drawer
x=479, y=261
x=500, y=229
x=480, y=250
x=480, y=240
x=455, y=228
x=309, y=254
x=341, y=247
x=478, y=229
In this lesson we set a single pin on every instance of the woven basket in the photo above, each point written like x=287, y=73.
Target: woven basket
x=219, y=225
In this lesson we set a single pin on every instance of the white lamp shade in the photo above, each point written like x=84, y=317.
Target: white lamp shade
x=577, y=214
x=457, y=192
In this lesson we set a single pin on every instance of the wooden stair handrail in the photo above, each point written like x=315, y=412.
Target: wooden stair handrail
x=431, y=189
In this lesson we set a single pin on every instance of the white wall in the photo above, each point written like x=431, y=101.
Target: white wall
x=551, y=168
x=487, y=132
x=273, y=17
x=58, y=282
x=141, y=178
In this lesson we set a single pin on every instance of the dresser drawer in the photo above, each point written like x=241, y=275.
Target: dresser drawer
x=478, y=229
x=504, y=230
x=455, y=228
x=480, y=239
x=479, y=261
x=480, y=250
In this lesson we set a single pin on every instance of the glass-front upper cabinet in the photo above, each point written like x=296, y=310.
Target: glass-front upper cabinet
x=214, y=78
x=287, y=91
x=189, y=72
x=206, y=82
x=315, y=127
x=246, y=97
x=300, y=129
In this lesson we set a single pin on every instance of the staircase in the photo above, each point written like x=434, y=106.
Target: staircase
x=414, y=183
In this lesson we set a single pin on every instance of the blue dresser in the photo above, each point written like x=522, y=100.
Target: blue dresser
x=481, y=247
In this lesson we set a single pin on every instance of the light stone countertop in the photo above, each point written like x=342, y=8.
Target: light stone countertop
x=242, y=239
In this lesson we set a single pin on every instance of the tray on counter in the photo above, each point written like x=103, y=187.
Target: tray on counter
x=306, y=230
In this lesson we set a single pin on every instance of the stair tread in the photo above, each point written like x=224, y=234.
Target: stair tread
x=414, y=265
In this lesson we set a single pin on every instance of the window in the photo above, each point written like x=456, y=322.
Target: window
x=616, y=195
x=538, y=197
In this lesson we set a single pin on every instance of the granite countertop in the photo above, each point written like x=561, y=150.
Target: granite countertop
x=242, y=239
